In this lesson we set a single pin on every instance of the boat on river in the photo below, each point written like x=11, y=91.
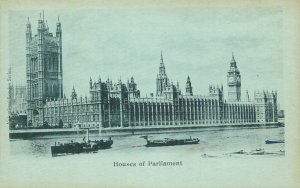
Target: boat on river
x=86, y=145
x=274, y=141
x=170, y=142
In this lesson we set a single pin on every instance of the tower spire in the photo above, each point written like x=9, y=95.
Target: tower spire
x=232, y=58
x=162, y=80
x=91, y=83
x=58, y=28
x=162, y=70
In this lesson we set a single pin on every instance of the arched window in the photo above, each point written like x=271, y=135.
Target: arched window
x=55, y=90
x=32, y=91
x=35, y=65
x=50, y=90
x=46, y=89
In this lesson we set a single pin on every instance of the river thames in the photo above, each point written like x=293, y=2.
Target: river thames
x=220, y=142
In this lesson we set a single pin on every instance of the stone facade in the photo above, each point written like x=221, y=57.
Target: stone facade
x=119, y=104
x=43, y=69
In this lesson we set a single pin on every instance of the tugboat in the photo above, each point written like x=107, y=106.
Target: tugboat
x=170, y=142
x=80, y=147
x=274, y=141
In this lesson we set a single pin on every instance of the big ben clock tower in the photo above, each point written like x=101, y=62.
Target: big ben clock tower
x=234, y=82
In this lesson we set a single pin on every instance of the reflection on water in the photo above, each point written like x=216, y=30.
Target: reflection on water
x=213, y=143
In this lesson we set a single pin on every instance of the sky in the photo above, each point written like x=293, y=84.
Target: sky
x=124, y=42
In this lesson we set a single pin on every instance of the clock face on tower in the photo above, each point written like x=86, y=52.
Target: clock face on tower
x=231, y=79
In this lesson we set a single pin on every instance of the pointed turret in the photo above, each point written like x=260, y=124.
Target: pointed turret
x=40, y=24
x=47, y=28
x=58, y=28
x=74, y=94
x=189, y=89
x=28, y=27
x=162, y=80
x=247, y=98
x=91, y=83
x=162, y=69
x=28, y=35
x=232, y=62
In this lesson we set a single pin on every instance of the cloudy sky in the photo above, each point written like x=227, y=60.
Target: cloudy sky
x=124, y=42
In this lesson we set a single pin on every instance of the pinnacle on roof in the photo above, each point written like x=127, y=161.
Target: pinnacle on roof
x=161, y=60
x=232, y=59
x=58, y=21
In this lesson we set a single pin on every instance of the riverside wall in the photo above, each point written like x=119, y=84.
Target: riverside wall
x=31, y=133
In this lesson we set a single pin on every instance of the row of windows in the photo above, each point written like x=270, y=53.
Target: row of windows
x=95, y=108
x=50, y=62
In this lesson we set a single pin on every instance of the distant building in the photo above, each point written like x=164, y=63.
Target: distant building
x=120, y=104
x=17, y=99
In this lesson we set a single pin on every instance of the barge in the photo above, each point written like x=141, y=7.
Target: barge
x=170, y=142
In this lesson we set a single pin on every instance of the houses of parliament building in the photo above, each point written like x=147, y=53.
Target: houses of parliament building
x=119, y=104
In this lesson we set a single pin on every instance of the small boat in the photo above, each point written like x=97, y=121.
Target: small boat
x=274, y=141
x=240, y=152
x=208, y=156
x=259, y=151
x=170, y=142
